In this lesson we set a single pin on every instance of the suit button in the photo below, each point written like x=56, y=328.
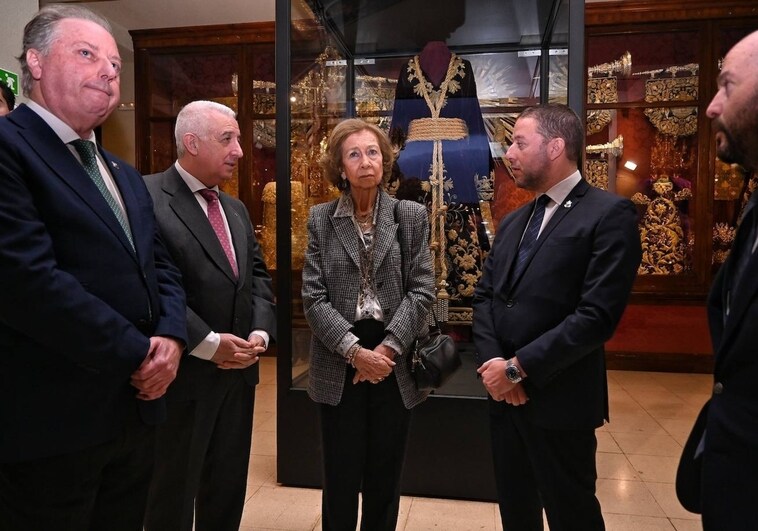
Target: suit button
x=718, y=388
x=509, y=304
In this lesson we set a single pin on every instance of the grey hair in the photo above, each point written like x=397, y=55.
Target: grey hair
x=42, y=30
x=193, y=118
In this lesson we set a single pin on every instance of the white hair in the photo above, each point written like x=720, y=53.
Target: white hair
x=193, y=118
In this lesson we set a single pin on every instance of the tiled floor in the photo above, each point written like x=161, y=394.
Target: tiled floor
x=651, y=415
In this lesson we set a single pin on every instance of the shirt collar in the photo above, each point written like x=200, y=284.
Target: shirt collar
x=346, y=208
x=560, y=191
x=59, y=127
x=191, y=181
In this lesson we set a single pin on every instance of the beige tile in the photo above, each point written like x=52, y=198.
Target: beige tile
x=614, y=466
x=261, y=470
x=640, y=422
x=648, y=444
x=428, y=514
x=606, y=443
x=679, y=429
x=405, y=508
x=267, y=370
x=686, y=525
x=665, y=495
x=629, y=522
x=264, y=443
x=675, y=409
x=264, y=421
x=265, y=398
x=283, y=508
x=627, y=497
x=654, y=468
x=652, y=414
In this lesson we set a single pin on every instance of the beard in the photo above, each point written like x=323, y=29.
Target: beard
x=738, y=143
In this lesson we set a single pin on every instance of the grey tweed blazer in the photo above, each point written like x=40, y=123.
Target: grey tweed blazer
x=331, y=281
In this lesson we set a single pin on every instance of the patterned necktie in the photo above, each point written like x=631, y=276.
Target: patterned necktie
x=86, y=150
x=530, y=235
x=217, y=222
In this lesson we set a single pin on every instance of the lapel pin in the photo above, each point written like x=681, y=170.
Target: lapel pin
x=114, y=165
x=567, y=204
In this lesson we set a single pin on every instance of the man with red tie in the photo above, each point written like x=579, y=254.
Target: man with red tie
x=203, y=450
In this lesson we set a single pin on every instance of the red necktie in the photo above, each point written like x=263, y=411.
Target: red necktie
x=217, y=222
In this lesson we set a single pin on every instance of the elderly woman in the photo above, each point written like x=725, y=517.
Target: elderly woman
x=366, y=302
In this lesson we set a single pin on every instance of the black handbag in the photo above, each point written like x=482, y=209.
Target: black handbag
x=434, y=359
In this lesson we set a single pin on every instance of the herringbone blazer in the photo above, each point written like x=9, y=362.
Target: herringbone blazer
x=404, y=283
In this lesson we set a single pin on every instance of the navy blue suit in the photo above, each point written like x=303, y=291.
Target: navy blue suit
x=555, y=317
x=78, y=304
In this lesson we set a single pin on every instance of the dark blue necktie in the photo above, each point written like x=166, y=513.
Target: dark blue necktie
x=530, y=235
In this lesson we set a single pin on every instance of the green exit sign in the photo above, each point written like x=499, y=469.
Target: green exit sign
x=9, y=78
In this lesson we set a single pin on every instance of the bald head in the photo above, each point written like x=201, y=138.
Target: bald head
x=734, y=108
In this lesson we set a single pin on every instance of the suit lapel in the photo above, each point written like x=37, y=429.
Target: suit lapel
x=741, y=295
x=61, y=162
x=386, y=229
x=572, y=200
x=131, y=206
x=186, y=208
x=346, y=233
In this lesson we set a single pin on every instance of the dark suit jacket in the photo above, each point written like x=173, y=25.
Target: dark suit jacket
x=78, y=305
x=566, y=304
x=732, y=422
x=215, y=299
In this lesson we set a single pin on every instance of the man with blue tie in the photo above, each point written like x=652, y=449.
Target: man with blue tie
x=725, y=439
x=552, y=292
x=92, y=322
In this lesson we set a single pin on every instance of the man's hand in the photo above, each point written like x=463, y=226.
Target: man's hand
x=236, y=353
x=498, y=386
x=158, y=369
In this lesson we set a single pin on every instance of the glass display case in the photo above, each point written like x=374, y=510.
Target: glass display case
x=361, y=59
x=651, y=73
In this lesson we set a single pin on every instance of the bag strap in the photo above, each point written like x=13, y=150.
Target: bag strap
x=403, y=261
x=400, y=240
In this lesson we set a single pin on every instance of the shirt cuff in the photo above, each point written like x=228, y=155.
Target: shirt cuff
x=346, y=343
x=207, y=347
x=264, y=335
x=394, y=343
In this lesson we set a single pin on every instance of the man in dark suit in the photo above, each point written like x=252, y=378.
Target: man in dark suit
x=204, y=448
x=92, y=321
x=553, y=289
x=729, y=447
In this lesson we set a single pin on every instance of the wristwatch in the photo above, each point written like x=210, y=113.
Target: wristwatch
x=512, y=372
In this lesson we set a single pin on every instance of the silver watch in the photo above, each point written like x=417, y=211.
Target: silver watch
x=512, y=372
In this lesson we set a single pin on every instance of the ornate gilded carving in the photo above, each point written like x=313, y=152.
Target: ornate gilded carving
x=677, y=121
x=596, y=173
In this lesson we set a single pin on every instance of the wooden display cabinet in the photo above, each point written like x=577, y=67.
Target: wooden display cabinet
x=652, y=70
x=230, y=64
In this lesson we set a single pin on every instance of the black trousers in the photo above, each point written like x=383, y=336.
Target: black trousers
x=537, y=468
x=363, y=441
x=99, y=488
x=201, y=459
